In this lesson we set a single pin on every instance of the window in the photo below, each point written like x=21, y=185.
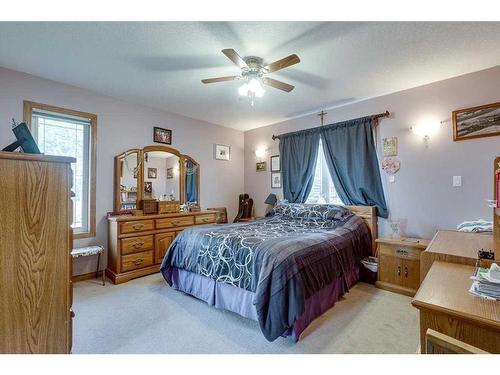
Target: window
x=63, y=132
x=323, y=191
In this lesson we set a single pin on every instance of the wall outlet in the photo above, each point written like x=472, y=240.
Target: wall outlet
x=457, y=181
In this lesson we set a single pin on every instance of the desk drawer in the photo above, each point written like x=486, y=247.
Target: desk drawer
x=404, y=252
x=136, y=244
x=174, y=222
x=136, y=226
x=137, y=260
x=205, y=219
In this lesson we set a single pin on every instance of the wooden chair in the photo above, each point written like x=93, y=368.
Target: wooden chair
x=245, y=209
x=438, y=343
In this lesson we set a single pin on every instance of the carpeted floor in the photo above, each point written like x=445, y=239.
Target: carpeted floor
x=147, y=316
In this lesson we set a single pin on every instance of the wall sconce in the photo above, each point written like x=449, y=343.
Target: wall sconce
x=425, y=129
x=260, y=152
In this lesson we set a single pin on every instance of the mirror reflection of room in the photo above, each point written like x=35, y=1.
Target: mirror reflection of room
x=128, y=181
x=161, y=176
x=191, y=171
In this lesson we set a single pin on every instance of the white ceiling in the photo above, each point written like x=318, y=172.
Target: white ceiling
x=161, y=64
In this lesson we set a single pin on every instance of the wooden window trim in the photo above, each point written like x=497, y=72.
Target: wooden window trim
x=28, y=107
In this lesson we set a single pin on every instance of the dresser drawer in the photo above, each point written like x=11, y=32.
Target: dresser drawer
x=173, y=222
x=404, y=252
x=136, y=226
x=137, y=260
x=205, y=219
x=136, y=244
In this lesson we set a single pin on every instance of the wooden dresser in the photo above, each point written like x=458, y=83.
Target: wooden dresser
x=137, y=244
x=399, y=264
x=446, y=306
x=455, y=247
x=35, y=246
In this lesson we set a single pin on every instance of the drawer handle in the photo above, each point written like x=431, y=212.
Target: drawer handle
x=402, y=251
x=138, y=245
x=138, y=261
x=138, y=226
x=205, y=219
x=176, y=222
x=406, y=271
x=399, y=270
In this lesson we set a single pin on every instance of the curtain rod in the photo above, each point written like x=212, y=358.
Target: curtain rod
x=376, y=116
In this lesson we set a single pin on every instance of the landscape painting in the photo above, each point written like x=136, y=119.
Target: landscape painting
x=476, y=122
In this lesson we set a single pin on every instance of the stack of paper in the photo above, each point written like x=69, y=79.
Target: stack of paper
x=484, y=285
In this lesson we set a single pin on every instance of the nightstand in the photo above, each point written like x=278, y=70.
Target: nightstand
x=399, y=264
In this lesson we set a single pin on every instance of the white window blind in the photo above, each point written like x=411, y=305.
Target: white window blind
x=323, y=191
x=64, y=135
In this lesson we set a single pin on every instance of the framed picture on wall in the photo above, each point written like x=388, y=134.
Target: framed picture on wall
x=222, y=152
x=275, y=180
x=275, y=163
x=260, y=166
x=476, y=122
x=161, y=135
x=148, y=187
x=152, y=172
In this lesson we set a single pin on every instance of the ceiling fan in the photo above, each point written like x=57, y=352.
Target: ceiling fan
x=253, y=72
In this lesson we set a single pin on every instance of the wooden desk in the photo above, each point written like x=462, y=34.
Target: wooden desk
x=454, y=247
x=446, y=306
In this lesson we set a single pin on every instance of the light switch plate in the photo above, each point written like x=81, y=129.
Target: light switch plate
x=457, y=181
x=392, y=178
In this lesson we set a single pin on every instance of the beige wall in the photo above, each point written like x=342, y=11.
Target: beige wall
x=122, y=125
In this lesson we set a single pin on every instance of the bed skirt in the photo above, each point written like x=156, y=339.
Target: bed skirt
x=240, y=301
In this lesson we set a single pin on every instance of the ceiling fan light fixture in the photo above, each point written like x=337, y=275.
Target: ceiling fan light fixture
x=243, y=90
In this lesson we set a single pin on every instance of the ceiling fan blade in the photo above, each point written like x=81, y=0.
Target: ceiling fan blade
x=277, y=84
x=220, y=79
x=234, y=57
x=283, y=63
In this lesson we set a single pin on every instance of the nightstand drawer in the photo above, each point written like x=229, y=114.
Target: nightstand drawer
x=400, y=251
x=137, y=260
x=136, y=244
x=173, y=222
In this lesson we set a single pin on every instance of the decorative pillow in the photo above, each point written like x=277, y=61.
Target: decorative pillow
x=328, y=212
x=310, y=212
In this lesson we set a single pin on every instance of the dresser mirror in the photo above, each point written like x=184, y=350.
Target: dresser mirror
x=192, y=181
x=155, y=173
x=127, y=174
x=161, y=176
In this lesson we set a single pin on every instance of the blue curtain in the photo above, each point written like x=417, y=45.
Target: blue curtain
x=298, y=152
x=191, y=182
x=352, y=161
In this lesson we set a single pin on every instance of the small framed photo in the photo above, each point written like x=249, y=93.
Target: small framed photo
x=390, y=146
x=148, y=187
x=152, y=172
x=260, y=166
x=170, y=173
x=476, y=122
x=275, y=180
x=161, y=135
x=222, y=152
x=275, y=163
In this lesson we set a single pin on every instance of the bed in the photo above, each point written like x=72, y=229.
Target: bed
x=283, y=271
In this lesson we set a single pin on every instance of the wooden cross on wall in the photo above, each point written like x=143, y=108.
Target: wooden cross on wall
x=322, y=116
